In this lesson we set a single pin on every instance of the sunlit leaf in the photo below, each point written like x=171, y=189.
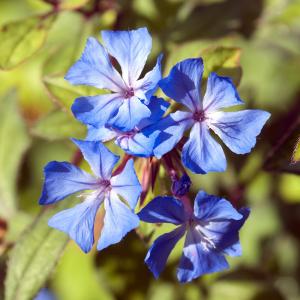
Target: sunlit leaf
x=72, y=4
x=58, y=125
x=33, y=257
x=296, y=153
x=14, y=141
x=21, y=39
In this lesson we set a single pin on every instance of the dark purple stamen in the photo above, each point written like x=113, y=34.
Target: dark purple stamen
x=129, y=93
x=199, y=116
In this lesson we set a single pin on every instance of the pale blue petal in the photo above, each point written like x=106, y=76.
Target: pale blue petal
x=171, y=130
x=238, y=130
x=147, y=86
x=160, y=250
x=95, y=69
x=201, y=153
x=197, y=261
x=184, y=83
x=118, y=221
x=210, y=207
x=78, y=223
x=131, y=49
x=96, y=110
x=127, y=185
x=220, y=93
x=102, y=134
x=63, y=179
x=100, y=159
x=163, y=209
x=130, y=113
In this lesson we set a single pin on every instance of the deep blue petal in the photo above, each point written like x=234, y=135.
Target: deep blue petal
x=220, y=93
x=131, y=49
x=97, y=110
x=161, y=248
x=163, y=210
x=171, y=130
x=127, y=185
x=63, y=179
x=197, y=260
x=238, y=130
x=130, y=113
x=118, y=221
x=210, y=207
x=224, y=233
x=147, y=86
x=95, y=69
x=201, y=153
x=184, y=83
x=158, y=107
x=100, y=159
x=78, y=223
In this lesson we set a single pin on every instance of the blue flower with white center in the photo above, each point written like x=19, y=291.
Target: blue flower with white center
x=212, y=231
x=63, y=179
x=139, y=141
x=238, y=130
x=126, y=106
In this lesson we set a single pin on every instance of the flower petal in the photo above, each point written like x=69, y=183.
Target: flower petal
x=102, y=134
x=147, y=86
x=131, y=49
x=63, y=179
x=163, y=209
x=224, y=233
x=96, y=110
x=197, y=261
x=118, y=221
x=127, y=185
x=184, y=83
x=95, y=69
x=78, y=223
x=210, y=207
x=238, y=130
x=100, y=159
x=171, y=130
x=220, y=93
x=158, y=107
x=161, y=248
x=130, y=113
x=201, y=153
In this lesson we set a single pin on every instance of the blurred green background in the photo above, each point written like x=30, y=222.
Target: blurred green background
x=256, y=42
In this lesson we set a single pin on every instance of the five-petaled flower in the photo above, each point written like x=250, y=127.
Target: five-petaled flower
x=63, y=179
x=212, y=231
x=139, y=141
x=126, y=106
x=238, y=130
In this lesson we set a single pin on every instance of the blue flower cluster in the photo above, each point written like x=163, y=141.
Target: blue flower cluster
x=135, y=119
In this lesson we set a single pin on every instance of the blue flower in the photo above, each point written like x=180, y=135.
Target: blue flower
x=238, y=130
x=211, y=232
x=63, y=179
x=126, y=105
x=138, y=141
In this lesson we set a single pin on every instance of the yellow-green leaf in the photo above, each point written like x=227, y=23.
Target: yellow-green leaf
x=296, y=153
x=21, y=39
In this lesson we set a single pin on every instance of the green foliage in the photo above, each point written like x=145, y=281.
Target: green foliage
x=296, y=153
x=33, y=257
x=22, y=39
x=58, y=125
x=14, y=141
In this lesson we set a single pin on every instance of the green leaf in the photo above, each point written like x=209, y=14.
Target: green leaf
x=14, y=141
x=224, y=61
x=21, y=39
x=34, y=257
x=296, y=153
x=58, y=125
x=72, y=4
